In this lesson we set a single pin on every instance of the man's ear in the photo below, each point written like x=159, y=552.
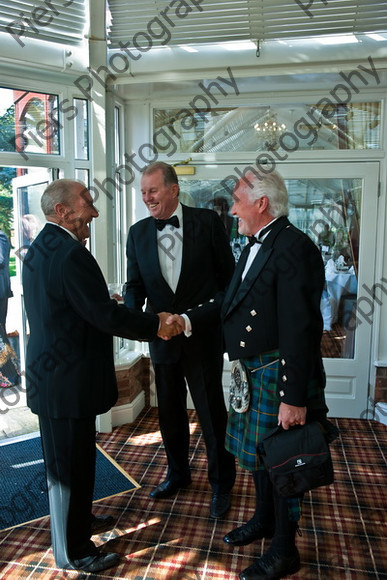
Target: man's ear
x=61, y=211
x=262, y=203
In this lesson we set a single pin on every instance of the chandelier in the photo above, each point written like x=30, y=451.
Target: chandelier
x=269, y=130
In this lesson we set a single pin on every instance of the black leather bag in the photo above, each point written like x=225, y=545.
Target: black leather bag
x=298, y=459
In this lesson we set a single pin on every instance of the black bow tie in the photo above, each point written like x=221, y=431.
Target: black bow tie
x=173, y=221
x=253, y=240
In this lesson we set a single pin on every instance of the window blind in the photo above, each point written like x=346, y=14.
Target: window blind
x=222, y=20
x=60, y=21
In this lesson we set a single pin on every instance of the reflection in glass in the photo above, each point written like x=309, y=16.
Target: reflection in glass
x=328, y=210
x=31, y=216
x=281, y=128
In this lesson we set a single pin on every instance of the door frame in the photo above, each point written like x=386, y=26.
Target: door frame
x=348, y=380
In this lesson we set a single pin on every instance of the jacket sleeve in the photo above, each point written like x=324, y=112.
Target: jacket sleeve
x=135, y=295
x=86, y=290
x=4, y=251
x=300, y=282
x=209, y=312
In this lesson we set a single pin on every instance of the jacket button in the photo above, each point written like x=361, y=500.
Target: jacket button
x=248, y=328
x=284, y=378
x=242, y=344
x=253, y=313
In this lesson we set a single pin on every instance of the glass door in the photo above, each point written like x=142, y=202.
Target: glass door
x=336, y=205
x=28, y=220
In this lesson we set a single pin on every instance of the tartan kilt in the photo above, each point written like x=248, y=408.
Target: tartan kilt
x=245, y=430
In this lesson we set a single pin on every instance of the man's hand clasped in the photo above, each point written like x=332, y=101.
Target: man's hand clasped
x=170, y=325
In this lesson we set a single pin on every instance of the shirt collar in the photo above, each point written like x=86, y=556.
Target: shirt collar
x=65, y=229
x=256, y=235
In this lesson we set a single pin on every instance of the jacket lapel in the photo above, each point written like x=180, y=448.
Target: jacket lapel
x=239, y=288
x=189, y=236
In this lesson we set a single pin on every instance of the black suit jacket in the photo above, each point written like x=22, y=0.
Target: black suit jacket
x=5, y=283
x=207, y=266
x=70, y=366
x=277, y=306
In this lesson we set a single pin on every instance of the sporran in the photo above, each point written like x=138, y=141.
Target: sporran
x=239, y=387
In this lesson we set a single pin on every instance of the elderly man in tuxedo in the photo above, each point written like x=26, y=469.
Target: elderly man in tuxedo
x=180, y=257
x=5, y=283
x=70, y=367
x=273, y=325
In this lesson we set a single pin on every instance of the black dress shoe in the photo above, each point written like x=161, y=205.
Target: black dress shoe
x=248, y=533
x=272, y=566
x=220, y=504
x=168, y=488
x=96, y=563
x=101, y=524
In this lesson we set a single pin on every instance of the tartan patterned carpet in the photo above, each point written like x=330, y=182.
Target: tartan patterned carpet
x=343, y=526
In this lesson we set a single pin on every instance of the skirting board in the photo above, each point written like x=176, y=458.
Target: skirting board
x=129, y=412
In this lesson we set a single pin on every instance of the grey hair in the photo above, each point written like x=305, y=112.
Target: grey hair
x=59, y=191
x=272, y=186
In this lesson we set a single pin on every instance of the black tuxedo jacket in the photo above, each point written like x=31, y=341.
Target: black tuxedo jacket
x=277, y=306
x=70, y=366
x=207, y=266
x=5, y=282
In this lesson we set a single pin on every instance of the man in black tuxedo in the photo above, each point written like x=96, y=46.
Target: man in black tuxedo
x=273, y=325
x=177, y=266
x=5, y=282
x=70, y=366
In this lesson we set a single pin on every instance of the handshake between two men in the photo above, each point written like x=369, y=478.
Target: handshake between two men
x=170, y=325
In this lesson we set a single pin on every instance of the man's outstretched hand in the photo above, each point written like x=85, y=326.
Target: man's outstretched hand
x=177, y=320
x=168, y=328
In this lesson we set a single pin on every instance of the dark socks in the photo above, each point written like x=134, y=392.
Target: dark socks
x=264, y=501
x=284, y=541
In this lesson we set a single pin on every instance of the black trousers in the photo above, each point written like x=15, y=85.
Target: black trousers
x=69, y=455
x=207, y=395
x=3, y=311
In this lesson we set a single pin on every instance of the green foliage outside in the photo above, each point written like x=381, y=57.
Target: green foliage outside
x=7, y=143
x=12, y=265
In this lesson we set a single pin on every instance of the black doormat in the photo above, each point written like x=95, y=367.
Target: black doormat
x=23, y=481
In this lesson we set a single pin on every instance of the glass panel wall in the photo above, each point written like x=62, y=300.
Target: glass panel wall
x=282, y=128
x=328, y=210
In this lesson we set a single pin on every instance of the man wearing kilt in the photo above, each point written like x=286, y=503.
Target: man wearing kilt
x=273, y=325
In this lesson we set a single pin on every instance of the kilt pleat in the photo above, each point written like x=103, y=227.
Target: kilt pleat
x=245, y=430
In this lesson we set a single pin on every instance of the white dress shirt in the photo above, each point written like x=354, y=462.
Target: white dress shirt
x=170, y=250
x=254, y=249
